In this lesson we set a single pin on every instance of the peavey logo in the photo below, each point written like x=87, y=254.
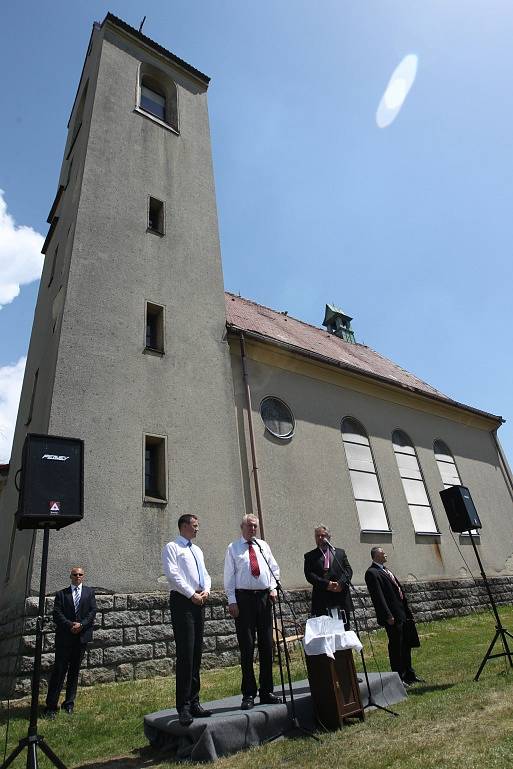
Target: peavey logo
x=54, y=457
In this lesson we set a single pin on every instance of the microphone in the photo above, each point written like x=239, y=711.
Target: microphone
x=328, y=543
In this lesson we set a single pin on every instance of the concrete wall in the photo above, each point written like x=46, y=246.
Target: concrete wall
x=305, y=480
x=95, y=380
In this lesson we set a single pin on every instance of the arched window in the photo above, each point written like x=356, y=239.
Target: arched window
x=446, y=465
x=158, y=95
x=413, y=484
x=364, y=478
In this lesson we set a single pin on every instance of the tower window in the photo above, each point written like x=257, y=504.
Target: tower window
x=156, y=216
x=153, y=101
x=158, y=96
x=155, y=477
x=154, y=327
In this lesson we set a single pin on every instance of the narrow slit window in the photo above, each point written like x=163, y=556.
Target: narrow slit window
x=154, y=339
x=52, y=269
x=156, y=216
x=32, y=398
x=413, y=484
x=364, y=478
x=155, y=480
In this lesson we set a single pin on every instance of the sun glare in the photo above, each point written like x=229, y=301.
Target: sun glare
x=396, y=91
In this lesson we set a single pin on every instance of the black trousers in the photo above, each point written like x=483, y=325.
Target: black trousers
x=188, y=621
x=255, y=617
x=68, y=659
x=399, y=650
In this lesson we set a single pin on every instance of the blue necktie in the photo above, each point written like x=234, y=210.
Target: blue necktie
x=76, y=599
x=201, y=577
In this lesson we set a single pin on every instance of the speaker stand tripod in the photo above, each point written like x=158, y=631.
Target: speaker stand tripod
x=33, y=740
x=500, y=631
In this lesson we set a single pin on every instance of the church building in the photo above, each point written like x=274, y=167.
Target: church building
x=193, y=400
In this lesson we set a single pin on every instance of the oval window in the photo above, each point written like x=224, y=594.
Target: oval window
x=277, y=417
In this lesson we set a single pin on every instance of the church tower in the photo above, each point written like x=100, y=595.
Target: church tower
x=128, y=348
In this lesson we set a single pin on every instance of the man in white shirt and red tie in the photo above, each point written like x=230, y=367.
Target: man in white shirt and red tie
x=184, y=567
x=250, y=574
x=393, y=613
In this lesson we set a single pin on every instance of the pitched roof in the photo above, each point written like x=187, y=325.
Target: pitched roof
x=277, y=327
x=159, y=48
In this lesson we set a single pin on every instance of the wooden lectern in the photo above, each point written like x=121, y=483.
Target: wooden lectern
x=334, y=688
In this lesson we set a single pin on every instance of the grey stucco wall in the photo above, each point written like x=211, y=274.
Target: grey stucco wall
x=305, y=480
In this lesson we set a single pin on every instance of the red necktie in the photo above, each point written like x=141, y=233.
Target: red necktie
x=253, y=563
x=391, y=576
x=326, y=560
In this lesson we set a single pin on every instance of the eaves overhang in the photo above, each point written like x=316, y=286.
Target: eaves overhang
x=366, y=375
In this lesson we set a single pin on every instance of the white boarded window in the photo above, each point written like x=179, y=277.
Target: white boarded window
x=449, y=472
x=413, y=484
x=364, y=478
x=446, y=465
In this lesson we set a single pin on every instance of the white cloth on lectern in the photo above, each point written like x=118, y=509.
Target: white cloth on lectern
x=325, y=635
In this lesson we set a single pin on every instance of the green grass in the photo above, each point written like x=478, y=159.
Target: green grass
x=448, y=723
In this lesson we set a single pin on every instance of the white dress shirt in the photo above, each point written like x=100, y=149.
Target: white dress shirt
x=237, y=571
x=180, y=562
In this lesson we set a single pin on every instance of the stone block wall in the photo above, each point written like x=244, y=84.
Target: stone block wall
x=133, y=636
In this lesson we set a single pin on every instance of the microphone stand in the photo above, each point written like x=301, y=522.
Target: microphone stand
x=371, y=702
x=295, y=725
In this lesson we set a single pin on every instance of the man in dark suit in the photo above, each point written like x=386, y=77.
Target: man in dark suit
x=73, y=613
x=328, y=570
x=393, y=613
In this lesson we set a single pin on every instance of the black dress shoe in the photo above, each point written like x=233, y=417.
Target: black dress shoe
x=270, y=699
x=415, y=679
x=67, y=709
x=49, y=713
x=198, y=711
x=185, y=718
x=247, y=703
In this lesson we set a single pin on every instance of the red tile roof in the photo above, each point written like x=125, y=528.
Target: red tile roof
x=277, y=327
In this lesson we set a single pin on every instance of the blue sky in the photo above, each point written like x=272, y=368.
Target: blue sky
x=408, y=227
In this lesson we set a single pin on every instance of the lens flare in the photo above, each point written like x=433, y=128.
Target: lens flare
x=397, y=90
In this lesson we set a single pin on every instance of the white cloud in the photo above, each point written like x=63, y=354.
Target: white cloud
x=11, y=379
x=21, y=260
x=397, y=90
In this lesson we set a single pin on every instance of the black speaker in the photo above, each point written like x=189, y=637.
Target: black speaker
x=52, y=482
x=460, y=509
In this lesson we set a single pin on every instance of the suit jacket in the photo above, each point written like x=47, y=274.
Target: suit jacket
x=64, y=615
x=340, y=571
x=385, y=596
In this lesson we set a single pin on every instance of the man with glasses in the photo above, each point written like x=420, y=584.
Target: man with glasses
x=73, y=613
x=189, y=580
x=250, y=574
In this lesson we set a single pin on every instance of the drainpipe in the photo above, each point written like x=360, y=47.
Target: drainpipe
x=251, y=435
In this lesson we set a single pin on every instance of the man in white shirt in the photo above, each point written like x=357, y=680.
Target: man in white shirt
x=184, y=567
x=250, y=574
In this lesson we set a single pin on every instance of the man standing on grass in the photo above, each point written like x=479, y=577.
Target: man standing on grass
x=74, y=611
x=393, y=613
x=184, y=567
x=250, y=574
